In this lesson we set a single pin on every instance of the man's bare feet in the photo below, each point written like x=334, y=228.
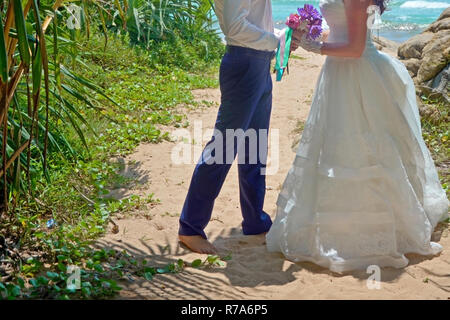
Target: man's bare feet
x=262, y=235
x=198, y=244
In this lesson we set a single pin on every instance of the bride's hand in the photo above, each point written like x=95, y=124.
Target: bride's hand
x=311, y=45
x=301, y=40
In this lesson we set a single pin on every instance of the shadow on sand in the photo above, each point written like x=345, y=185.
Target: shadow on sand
x=251, y=266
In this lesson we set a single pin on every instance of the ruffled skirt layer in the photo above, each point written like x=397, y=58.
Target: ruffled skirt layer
x=363, y=189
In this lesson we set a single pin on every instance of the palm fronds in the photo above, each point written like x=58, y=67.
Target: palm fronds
x=34, y=100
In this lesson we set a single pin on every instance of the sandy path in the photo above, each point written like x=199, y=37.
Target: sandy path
x=253, y=273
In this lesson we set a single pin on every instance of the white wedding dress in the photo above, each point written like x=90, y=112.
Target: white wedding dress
x=363, y=189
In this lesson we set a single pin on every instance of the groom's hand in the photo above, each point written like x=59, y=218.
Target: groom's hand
x=294, y=45
x=296, y=38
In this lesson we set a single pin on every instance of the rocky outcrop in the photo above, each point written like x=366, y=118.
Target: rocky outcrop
x=385, y=45
x=442, y=23
x=413, y=47
x=427, y=57
x=435, y=56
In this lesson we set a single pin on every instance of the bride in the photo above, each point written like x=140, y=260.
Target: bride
x=363, y=189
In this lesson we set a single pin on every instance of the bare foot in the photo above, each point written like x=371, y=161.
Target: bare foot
x=198, y=244
x=262, y=235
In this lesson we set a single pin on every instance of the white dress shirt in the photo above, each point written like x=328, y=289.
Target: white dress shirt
x=247, y=23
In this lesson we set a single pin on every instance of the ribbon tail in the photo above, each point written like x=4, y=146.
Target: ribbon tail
x=283, y=52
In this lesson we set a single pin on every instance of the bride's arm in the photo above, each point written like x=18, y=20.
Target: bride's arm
x=356, y=12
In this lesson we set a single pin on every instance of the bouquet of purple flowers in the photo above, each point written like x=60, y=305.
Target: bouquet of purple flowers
x=307, y=19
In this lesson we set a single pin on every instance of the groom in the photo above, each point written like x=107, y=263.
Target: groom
x=246, y=103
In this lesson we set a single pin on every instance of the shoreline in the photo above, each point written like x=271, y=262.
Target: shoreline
x=399, y=36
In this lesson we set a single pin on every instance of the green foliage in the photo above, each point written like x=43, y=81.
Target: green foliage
x=103, y=103
x=211, y=261
x=436, y=132
x=44, y=95
x=183, y=40
x=175, y=32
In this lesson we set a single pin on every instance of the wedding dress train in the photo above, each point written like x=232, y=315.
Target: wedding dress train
x=363, y=189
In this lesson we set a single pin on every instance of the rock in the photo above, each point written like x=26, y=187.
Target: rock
x=434, y=56
x=384, y=44
x=414, y=46
x=442, y=23
x=430, y=112
x=439, y=25
x=442, y=80
x=427, y=58
x=445, y=14
x=413, y=66
x=438, y=87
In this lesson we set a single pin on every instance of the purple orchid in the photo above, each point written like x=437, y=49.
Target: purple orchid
x=313, y=19
x=315, y=32
x=309, y=12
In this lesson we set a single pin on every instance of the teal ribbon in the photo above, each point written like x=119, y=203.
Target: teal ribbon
x=282, y=58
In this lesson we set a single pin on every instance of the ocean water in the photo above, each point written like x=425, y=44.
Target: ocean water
x=402, y=20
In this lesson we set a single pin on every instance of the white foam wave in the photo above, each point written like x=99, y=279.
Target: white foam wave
x=425, y=4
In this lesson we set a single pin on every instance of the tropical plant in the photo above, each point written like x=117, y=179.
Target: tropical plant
x=47, y=109
x=37, y=90
x=150, y=20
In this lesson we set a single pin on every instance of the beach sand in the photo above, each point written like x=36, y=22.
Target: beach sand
x=252, y=273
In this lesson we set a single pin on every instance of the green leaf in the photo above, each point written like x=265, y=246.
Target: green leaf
x=227, y=257
x=21, y=282
x=24, y=49
x=151, y=270
x=98, y=267
x=148, y=276
x=33, y=282
x=37, y=72
x=3, y=55
x=16, y=291
x=52, y=275
x=62, y=267
x=86, y=291
x=42, y=280
x=196, y=263
x=212, y=259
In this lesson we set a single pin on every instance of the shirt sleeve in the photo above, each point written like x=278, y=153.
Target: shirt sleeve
x=279, y=33
x=238, y=28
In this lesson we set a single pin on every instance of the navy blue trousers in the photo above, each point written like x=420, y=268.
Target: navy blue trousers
x=246, y=103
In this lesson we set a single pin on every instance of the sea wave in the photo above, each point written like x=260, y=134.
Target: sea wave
x=425, y=5
x=389, y=25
